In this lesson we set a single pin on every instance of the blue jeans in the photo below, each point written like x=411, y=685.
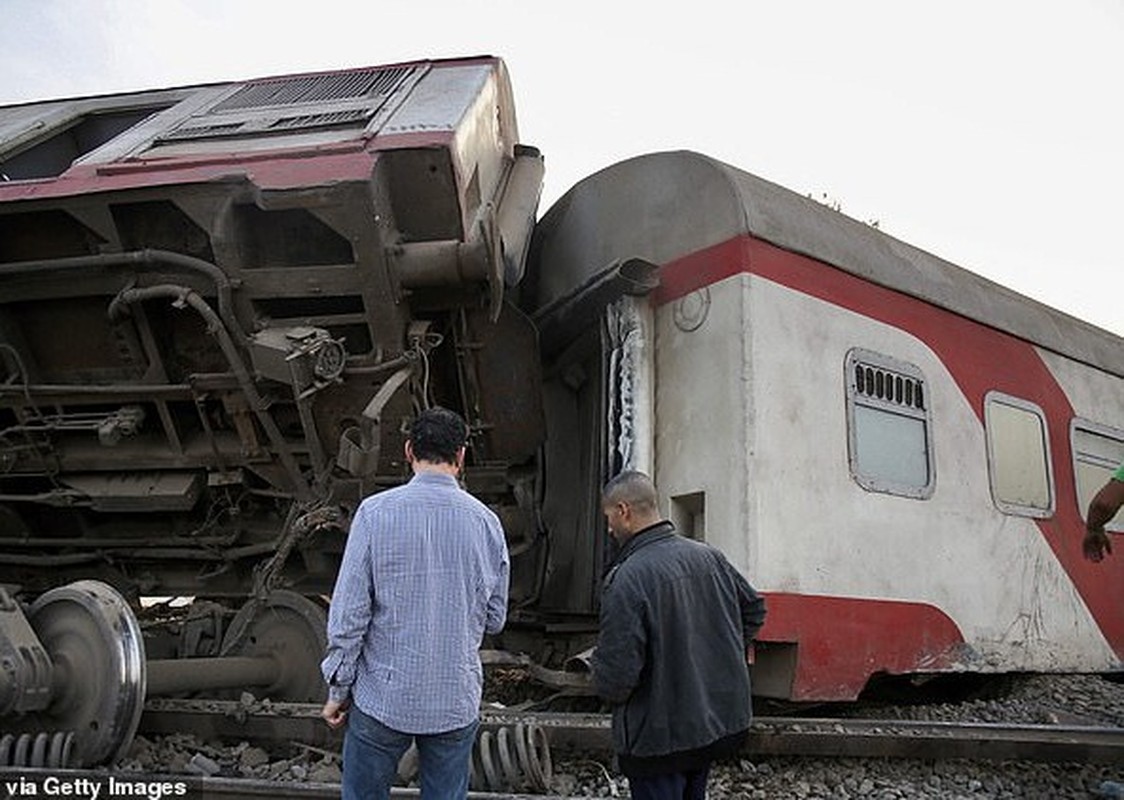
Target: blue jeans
x=371, y=752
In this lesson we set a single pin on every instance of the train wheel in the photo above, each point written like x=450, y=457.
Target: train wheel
x=292, y=630
x=95, y=644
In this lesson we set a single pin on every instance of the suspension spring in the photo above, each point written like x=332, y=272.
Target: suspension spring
x=50, y=750
x=514, y=758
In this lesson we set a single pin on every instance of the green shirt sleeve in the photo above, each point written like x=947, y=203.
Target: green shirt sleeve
x=1119, y=474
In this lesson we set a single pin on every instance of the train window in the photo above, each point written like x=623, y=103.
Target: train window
x=888, y=425
x=1018, y=451
x=1097, y=451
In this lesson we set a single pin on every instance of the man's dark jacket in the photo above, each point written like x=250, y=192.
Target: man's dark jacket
x=676, y=618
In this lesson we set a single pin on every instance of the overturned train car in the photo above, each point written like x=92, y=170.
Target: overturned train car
x=220, y=306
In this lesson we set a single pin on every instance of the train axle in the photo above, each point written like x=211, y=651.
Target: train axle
x=74, y=677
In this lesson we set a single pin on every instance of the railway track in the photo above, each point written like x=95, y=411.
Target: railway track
x=770, y=736
x=575, y=736
x=235, y=789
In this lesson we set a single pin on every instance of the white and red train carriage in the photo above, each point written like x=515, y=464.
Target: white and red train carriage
x=896, y=451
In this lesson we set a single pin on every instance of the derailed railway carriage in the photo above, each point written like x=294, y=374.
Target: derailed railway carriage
x=220, y=307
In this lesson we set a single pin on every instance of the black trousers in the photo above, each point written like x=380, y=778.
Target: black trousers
x=672, y=786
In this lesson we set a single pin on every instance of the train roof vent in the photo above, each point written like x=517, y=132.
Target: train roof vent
x=319, y=120
x=303, y=102
x=315, y=89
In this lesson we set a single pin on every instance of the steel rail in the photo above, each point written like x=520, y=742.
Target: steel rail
x=247, y=789
x=837, y=738
x=769, y=736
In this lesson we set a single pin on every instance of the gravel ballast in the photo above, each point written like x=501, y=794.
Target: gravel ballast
x=1040, y=700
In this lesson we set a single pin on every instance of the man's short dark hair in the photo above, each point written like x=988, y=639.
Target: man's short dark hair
x=634, y=488
x=437, y=434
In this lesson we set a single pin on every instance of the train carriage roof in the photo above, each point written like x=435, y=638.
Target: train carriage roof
x=285, y=131
x=663, y=206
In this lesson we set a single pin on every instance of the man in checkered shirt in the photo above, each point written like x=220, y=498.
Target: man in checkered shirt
x=424, y=576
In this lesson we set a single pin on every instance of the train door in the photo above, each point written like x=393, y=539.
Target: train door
x=598, y=385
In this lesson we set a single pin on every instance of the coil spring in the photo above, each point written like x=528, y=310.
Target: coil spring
x=512, y=758
x=50, y=750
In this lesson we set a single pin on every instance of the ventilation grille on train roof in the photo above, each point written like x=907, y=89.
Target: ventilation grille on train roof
x=303, y=102
x=315, y=89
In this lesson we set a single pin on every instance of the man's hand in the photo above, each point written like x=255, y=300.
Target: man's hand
x=335, y=713
x=1095, y=545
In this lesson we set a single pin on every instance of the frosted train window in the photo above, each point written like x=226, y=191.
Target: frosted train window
x=1097, y=451
x=1018, y=452
x=888, y=425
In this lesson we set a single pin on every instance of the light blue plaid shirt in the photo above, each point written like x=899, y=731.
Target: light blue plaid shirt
x=424, y=577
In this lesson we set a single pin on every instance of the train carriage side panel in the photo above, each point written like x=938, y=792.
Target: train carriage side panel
x=707, y=457
x=983, y=360
x=951, y=564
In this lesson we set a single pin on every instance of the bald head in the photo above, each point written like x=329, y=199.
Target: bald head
x=630, y=504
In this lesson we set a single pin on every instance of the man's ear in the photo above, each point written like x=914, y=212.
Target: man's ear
x=408, y=449
x=460, y=458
